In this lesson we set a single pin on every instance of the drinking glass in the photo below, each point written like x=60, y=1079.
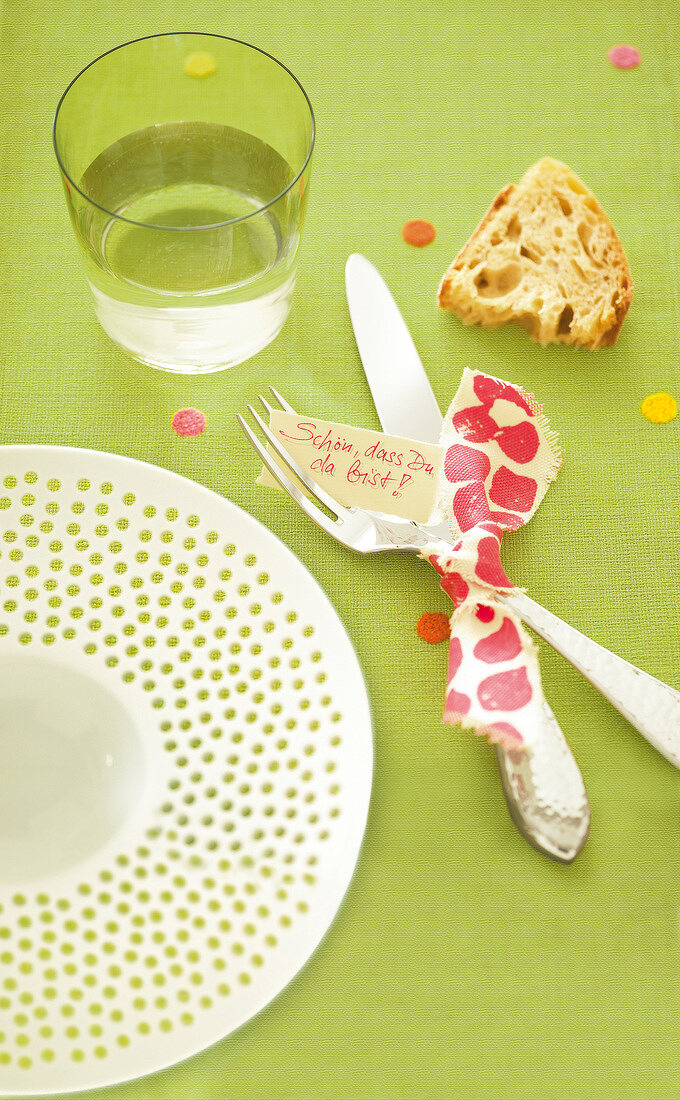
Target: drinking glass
x=185, y=159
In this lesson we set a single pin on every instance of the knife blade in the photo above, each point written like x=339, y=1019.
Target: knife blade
x=543, y=788
x=408, y=408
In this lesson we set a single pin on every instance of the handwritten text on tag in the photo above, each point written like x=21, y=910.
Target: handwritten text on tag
x=367, y=469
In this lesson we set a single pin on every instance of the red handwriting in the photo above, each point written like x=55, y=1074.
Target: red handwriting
x=393, y=458
x=371, y=477
x=376, y=468
x=323, y=466
x=419, y=463
x=321, y=442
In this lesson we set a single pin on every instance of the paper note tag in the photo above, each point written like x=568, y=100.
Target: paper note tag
x=368, y=469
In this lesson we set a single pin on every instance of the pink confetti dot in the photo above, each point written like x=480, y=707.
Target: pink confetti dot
x=624, y=57
x=189, y=422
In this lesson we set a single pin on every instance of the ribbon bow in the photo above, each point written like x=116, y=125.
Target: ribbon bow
x=501, y=455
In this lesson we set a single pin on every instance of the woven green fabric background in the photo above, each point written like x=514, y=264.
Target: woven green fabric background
x=462, y=964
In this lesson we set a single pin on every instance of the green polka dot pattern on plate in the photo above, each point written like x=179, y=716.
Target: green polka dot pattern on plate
x=212, y=890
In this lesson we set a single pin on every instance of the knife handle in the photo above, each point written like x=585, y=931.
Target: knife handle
x=545, y=793
x=651, y=707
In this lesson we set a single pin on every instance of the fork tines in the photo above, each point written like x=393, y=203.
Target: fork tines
x=278, y=472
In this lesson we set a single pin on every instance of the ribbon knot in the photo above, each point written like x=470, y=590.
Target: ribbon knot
x=501, y=456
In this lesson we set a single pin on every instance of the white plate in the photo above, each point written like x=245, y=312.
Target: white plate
x=185, y=768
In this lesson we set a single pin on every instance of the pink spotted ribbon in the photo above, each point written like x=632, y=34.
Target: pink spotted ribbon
x=500, y=458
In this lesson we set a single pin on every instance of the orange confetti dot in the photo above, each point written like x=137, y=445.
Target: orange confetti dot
x=418, y=233
x=433, y=627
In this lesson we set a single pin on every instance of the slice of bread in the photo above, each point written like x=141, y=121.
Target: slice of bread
x=546, y=256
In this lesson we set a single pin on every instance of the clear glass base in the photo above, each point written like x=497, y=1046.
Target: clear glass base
x=194, y=339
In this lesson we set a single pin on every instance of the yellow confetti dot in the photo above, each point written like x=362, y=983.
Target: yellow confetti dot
x=200, y=64
x=659, y=408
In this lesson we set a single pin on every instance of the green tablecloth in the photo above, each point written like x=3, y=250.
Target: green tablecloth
x=462, y=964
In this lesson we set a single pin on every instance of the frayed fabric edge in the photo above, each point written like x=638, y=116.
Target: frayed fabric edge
x=494, y=735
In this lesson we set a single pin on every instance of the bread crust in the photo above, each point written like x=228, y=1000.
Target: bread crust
x=500, y=201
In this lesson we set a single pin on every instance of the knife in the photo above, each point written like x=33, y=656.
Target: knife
x=543, y=786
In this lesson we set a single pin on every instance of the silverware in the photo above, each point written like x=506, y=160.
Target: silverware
x=543, y=788
x=651, y=707
x=401, y=390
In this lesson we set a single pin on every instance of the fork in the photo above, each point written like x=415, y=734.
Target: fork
x=651, y=707
x=543, y=787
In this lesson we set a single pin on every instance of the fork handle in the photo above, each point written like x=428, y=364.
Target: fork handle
x=651, y=707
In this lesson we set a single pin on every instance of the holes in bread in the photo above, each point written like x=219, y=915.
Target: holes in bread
x=558, y=230
x=564, y=322
x=577, y=268
x=535, y=257
x=576, y=186
x=585, y=233
x=565, y=205
x=514, y=228
x=495, y=284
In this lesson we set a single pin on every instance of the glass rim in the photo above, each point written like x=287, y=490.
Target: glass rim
x=183, y=228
